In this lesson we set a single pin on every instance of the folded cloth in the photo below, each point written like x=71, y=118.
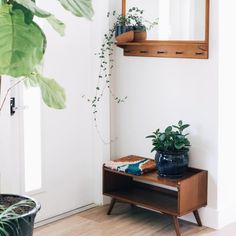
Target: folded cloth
x=132, y=165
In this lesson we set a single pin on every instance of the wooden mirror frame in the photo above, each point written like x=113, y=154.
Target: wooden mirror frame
x=169, y=48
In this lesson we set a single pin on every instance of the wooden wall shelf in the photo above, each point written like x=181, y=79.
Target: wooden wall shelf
x=170, y=48
x=176, y=49
x=189, y=196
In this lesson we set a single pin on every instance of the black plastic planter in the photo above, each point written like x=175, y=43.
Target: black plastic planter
x=171, y=165
x=22, y=225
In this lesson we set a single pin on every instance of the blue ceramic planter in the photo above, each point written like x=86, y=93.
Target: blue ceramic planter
x=171, y=165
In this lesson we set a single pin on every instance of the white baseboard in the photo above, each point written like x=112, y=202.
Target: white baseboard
x=64, y=215
x=212, y=218
x=227, y=216
x=209, y=217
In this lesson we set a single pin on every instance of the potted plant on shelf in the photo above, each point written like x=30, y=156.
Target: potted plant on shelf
x=139, y=24
x=171, y=148
x=132, y=26
x=22, y=48
x=121, y=24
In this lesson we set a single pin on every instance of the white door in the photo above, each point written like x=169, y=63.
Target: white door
x=58, y=162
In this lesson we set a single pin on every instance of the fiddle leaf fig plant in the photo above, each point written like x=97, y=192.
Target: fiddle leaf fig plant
x=23, y=43
x=171, y=140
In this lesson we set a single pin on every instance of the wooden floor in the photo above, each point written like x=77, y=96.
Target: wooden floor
x=124, y=220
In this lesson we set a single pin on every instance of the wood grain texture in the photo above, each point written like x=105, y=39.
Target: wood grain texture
x=113, y=201
x=190, y=194
x=197, y=217
x=176, y=224
x=176, y=49
x=123, y=7
x=124, y=221
x=152, y=177
x=193, y=193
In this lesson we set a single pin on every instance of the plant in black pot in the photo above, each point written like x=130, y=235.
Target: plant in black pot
x=171, y=148
x=17, y=214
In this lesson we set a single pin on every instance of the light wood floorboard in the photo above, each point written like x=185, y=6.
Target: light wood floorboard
x=125, y=221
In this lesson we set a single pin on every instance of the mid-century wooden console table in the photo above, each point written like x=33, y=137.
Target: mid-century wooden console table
x=189, y=193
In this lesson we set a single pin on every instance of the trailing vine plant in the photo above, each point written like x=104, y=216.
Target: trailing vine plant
x=106, y=65
x=134, y=20
x=23, y=44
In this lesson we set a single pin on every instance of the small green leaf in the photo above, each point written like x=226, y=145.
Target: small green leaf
x=179, y=145
x=56, y=24
x=168, y=129
x=175, y=126
x=157, y=131
x=162, y=137
x=52, y=93
x=81, y=8
x=180, y=123
x=151, y=136
x=154, y=149
x=184, y=126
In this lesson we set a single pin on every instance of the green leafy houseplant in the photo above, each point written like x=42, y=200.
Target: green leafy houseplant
x=139, y=23
x=171, y=148
x=23, y=43
x=171, y=140
x=136, y=19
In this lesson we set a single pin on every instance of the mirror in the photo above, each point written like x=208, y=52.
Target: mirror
x=177, y=19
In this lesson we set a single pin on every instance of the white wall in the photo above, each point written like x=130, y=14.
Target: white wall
x=162, y=91
x=227, y=115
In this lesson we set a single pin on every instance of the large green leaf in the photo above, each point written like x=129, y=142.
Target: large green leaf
x=2, y=2
x=28, y=14
x=56, y=24
x=52, y=93
x=21, y=45
x=81, y=8
x=35, y=10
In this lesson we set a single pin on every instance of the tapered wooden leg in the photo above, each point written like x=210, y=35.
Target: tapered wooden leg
x=113, y=201
x=176, y=223
x=197, y=217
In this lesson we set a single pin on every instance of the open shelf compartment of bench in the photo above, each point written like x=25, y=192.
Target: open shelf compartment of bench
x=174, y=197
